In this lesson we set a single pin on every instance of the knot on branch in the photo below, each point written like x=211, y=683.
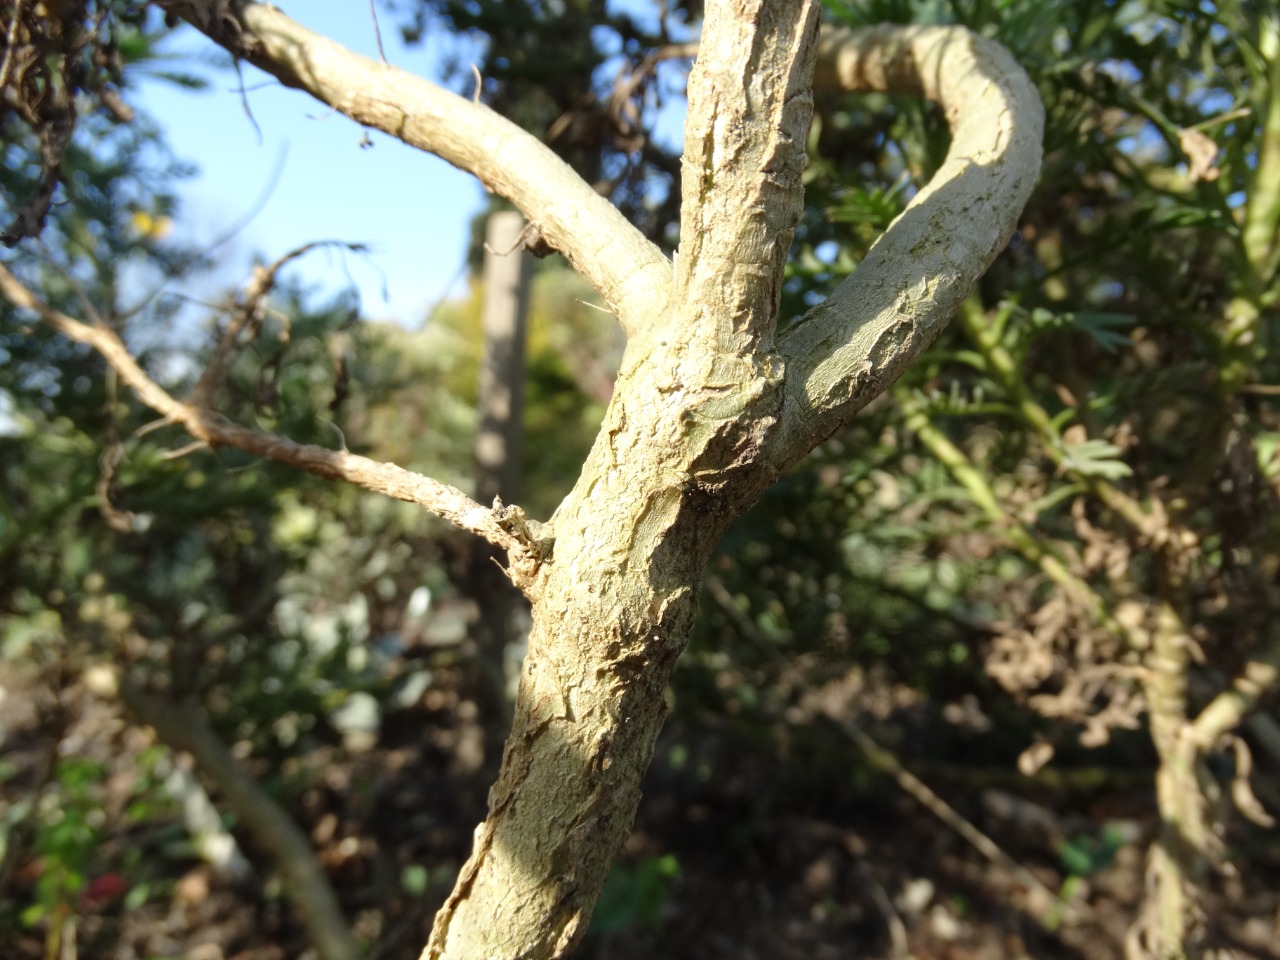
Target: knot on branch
x=533, y=542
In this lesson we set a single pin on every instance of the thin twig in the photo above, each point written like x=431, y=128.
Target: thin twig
x=594, y=306
x=246, y=218
x=377, y=31
x=11, y=43
x=206, y=426
x=913, y=785
x=116, y=518
x=182, y=451
x=625, y=267
x=627, y=82
x=244, y=101
x=249, y=316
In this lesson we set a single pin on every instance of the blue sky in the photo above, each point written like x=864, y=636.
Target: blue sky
x=410, y=207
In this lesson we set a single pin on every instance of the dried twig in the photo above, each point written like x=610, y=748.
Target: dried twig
x=1043, y=900
x=250, y=312
x=211, y=428
x=377, y=31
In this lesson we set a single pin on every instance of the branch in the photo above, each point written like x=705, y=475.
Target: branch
x=246, y=321
x=212, y=429
x=630, y=83
x=630, y=273
x=750, y=105
x=845, y=351
x=1042, y=902
x=181, y=727
x=1259, y=677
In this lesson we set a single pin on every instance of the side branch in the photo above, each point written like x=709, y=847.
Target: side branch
x=846, y=350
x=210, y=428
x=630, y=273
x=1259, y=677
x=750, y=105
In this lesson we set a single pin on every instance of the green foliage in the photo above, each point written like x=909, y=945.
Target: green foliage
x=1094, y=341
x=635, y=894
x=66, y=840
x=270, y=600
x=998, y=513
x=572, y=352
x=61, y=63
x=1100, y=326
x=1087, y=854
x=73, y=863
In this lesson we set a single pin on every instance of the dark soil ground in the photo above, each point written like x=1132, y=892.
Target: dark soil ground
x=772, y=847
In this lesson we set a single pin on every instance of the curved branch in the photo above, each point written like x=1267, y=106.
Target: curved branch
x=210, y=428
x=630, y=273
x=1259, y=677
x=846, y=350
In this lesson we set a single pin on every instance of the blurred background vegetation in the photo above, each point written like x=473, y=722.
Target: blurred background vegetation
x=1041, y=576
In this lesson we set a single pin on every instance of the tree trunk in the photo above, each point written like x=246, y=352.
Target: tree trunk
x=508, y=271
x=680, y=454
x=610, y=619
x=500, y=399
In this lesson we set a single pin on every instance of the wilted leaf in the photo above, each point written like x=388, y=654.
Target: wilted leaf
x=1201, y=153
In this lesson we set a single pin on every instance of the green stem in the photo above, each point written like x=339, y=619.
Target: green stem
x=1262, y=216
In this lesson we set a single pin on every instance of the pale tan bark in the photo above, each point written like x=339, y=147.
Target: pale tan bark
x=676, y=459
x=849, y=348
x=212, y=429
x=710, y=404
